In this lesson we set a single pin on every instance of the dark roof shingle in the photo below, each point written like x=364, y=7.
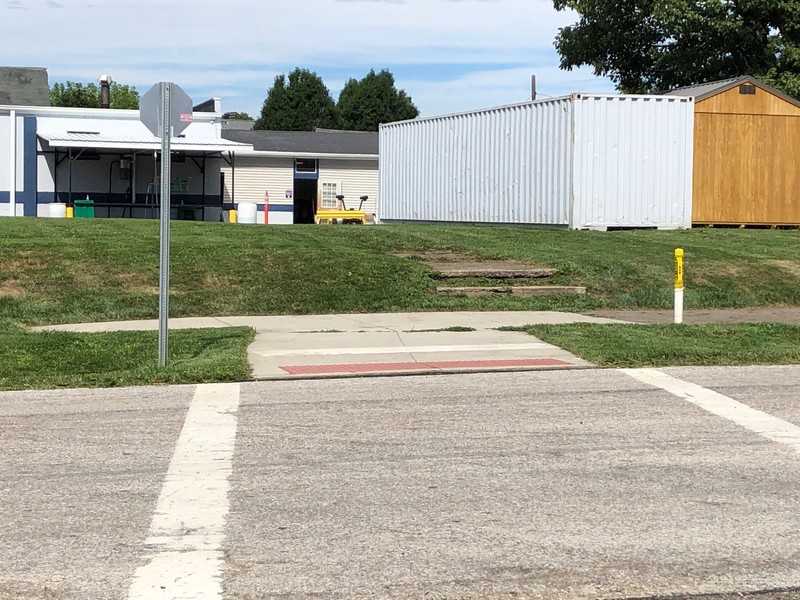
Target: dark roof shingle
x=703, y=91
x=307, y=142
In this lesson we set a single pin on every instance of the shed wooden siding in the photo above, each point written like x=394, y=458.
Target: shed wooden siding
x=256, y=175
x=358, y=178
x=747, y=160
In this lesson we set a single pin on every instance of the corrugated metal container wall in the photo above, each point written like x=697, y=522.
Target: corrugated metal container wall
x=582, y=161
x=506, y=165
x=633, y=161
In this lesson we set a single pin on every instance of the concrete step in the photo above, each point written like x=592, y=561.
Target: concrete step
x=527, y=291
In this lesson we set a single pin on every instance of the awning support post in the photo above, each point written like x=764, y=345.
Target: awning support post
x=70, y=175
x=12, y=173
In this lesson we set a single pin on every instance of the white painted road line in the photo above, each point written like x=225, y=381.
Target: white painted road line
x=188, y=527
x=403, y=349
x=759, y=422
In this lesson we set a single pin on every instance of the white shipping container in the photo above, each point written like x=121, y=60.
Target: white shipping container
x=584, y=161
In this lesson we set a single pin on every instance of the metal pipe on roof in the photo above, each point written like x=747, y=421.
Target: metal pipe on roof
x=105, y=91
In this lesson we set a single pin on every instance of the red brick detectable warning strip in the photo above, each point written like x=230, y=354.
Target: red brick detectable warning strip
x=423, y=366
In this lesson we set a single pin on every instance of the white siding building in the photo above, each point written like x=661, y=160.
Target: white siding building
x=294, y=172
x=62, y=155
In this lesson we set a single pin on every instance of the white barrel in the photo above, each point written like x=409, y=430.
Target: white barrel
x=246, y=213
x=58, y=210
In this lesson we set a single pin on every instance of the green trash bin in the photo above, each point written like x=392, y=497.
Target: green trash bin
x=84, y=209
x=186, y=213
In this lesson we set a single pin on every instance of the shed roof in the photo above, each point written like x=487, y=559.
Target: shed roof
x=704, y=91
x=320, y=142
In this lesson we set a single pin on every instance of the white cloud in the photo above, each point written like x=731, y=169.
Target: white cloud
x=235, y=48
x=483, y=89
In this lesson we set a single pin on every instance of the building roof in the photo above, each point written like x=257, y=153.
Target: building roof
x=128, y=133
x=320, y=142
x=136, y=142
x=707, y=90
x=24, y=86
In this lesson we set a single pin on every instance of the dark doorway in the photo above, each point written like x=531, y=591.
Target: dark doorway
x=305, y=200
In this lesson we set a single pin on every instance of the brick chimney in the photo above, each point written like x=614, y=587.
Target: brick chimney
x=105, y=91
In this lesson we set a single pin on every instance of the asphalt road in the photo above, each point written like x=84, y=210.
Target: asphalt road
x=571, y=484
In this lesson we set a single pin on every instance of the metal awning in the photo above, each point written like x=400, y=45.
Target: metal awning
x=136, y=141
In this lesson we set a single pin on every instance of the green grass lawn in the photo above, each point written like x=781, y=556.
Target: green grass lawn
x=58, y=359
x=76, y=270
x=59, y=270
x=633, y=346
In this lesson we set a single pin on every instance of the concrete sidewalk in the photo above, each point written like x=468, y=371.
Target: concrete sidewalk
x=306, y=346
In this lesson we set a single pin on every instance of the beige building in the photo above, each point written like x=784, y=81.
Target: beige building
x=294, y=172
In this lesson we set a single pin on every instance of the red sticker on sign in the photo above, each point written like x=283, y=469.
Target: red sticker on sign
x=186, y=118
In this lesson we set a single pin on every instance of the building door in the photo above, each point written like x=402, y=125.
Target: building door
x=305, y=201
x=306, y=189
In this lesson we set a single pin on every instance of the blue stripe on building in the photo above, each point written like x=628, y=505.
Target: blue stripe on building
x=29, y=174
x=281, y=208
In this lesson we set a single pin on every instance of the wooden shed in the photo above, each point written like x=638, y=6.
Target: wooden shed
x=746, y=154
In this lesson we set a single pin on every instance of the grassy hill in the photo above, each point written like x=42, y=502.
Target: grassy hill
x=58, y=271
x=77, y=270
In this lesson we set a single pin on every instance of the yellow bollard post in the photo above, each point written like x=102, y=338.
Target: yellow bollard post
x=70, y=212
x=232, y=216
x=679, y=286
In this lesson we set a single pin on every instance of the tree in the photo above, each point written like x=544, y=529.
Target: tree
x=79, y=95
x=648, y=46
x=75, y=95
x=237, y=116
x=364, y=105
x=301, y=104
x=124, y=97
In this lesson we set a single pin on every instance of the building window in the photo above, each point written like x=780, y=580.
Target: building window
x=305, y=165
x=329, y=191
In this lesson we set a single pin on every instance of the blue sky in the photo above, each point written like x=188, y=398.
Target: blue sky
x=449, y=55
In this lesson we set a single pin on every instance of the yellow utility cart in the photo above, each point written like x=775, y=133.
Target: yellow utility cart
x=342, y=213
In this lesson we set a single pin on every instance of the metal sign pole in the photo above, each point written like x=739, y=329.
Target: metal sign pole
x=166, y=168
x=166, y=110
